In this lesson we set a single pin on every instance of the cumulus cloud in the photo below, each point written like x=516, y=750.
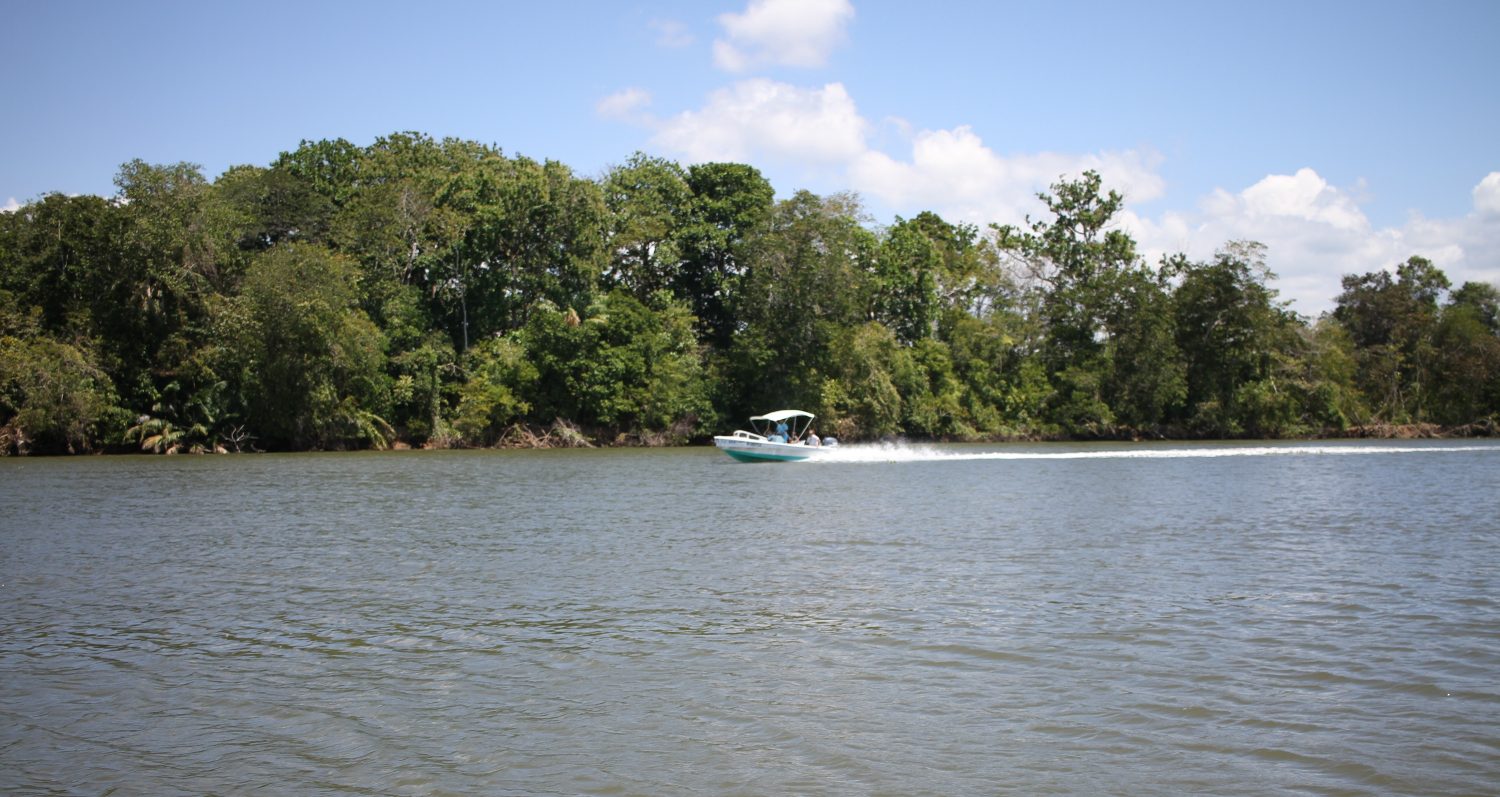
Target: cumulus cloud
x=1486, y=195
x=798, y=33
x=955, y=172
x=1303, y=195
x=10, y=206
x=759, y=118
x=1316, y=233
x=626, y=104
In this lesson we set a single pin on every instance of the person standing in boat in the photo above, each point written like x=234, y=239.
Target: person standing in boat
x=812, y=438
x=781, y=432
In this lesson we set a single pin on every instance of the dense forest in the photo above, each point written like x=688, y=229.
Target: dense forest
x=441, y=293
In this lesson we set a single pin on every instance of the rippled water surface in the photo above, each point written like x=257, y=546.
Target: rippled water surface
x=1220, y=619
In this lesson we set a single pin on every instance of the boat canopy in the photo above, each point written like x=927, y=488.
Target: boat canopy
x=781, y=415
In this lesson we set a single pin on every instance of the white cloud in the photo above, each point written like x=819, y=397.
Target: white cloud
x=950, y=171
x=626, y=104
x=1303, y=195
x=671, y=33
x=758, y=119
x=957, y=174
x=10, y=206
x=798, y=33
x=1316, y=233
x=1486, y=195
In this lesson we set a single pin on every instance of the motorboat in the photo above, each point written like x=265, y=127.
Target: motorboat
x=780, y=436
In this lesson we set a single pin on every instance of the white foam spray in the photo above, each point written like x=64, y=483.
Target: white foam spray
x=905, y=452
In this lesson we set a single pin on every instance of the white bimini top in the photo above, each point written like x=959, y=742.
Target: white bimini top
x=781, y=415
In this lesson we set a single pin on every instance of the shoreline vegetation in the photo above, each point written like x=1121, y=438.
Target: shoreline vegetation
x=566, y=435
x=417, y=293
x=562, y=434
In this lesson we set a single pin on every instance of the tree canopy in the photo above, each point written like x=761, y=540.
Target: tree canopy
x=443, y=293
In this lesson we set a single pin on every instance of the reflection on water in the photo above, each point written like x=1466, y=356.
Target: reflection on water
x=950, y=620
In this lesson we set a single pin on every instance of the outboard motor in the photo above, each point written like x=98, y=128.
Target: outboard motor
x=830, y=442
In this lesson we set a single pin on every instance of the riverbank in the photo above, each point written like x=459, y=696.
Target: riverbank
x=566, y=434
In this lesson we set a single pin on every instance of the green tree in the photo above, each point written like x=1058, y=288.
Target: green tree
x=1078, y=265
x=1235, y=339
x=927, y=267
x=1004, y=384
x=54, y=398
x=905, y=290
x=1392, y=322
x=1146, y=382
x=532, y=232
x=1077, y=259
x=648, y=202
x=274, y=206
x=728, y=212
x=178, y=252
x=1466, y=366
x=807, y=279
x=390, y=218
x=59, y=255
x=500, y=377
x=860, y=397
x=331, y=167
x=312, y=363
x=1327, y=379
x=623, y=367
x=932, y=395
x=1482, y=300
x=178, y=238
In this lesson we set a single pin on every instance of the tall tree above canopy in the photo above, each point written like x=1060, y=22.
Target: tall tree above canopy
x=1379, y=310
x=59, y=254
x=1077, y=263
x=1467, y=367
x=928, y=267
x=969, y=280
x=907, y=271
x=178, y=253
x=1482, y=299
x=529, y=232
x=274, y=205
x=1231, y=330
x=1077, y=258
x=807, y=279
x=648, y=201
x=330, y=167
x=1392, y=323
x=730, y=207
x=394, y=224
x=177, y=237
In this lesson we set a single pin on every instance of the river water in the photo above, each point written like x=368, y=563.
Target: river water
x=1151, y=619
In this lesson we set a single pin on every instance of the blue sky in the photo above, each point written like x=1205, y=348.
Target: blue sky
x=1346, y=136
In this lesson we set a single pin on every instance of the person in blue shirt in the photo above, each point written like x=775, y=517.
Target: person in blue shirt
x=780, y=436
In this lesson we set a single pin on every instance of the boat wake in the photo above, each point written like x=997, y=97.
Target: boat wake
x=906, y=452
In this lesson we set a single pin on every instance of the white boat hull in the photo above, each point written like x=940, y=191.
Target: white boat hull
x=750, y=449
